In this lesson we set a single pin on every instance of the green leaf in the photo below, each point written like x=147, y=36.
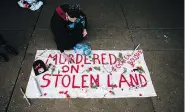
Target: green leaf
x=52, y=70
x=120, y=55
x=94, y=86
x=97, y=68
x=113, y=93
x=117, y=59
x=93, y=60
x=125, y=70
x=88, y=70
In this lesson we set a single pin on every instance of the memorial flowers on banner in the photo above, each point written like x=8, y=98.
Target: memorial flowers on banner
x=103, y=74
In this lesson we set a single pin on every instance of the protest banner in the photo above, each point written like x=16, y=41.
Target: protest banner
x=104, y=74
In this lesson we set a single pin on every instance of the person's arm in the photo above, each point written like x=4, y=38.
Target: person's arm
x=85, y=17
x=77, y=33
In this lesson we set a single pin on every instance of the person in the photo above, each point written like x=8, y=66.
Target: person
x=69, y=27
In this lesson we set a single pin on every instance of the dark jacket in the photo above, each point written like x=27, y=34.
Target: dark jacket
x=65, y=37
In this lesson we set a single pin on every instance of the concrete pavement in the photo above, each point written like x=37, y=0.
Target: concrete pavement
x=122, y=24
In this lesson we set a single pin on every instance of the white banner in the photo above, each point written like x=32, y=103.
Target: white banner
x=104, y=74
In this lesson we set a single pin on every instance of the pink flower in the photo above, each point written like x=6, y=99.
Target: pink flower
x=67, y=96
x=24, y=78
x=90, y=69
x=61, y=92
x=115, y=85
x=66, y=92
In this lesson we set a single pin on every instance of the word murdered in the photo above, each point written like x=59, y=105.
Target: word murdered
x=79, y=59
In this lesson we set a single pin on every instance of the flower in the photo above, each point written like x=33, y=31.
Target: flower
x=66, y=92
x=90, y=69
x=24, y=78
x=115, y=85
x=112, y=92
x=61, y=92
x=67, y=95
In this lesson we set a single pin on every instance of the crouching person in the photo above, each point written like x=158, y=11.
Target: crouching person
x=69, y=27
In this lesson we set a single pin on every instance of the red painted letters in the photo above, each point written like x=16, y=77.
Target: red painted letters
x=48, y=81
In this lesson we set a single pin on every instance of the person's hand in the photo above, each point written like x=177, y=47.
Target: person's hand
x=84, y=32
x=72, y=19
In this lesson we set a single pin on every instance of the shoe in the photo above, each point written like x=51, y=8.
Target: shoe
x=4, y=57
x=10, y=50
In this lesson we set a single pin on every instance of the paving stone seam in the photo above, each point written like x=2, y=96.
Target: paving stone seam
x=15, y=29
x=156, y=28
x=91, y=28
x=176, y=76
x=164, y=50
x=22, y=62
x=102, y=28
x=153, y=107
x=130, y=34
x=122, y=11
